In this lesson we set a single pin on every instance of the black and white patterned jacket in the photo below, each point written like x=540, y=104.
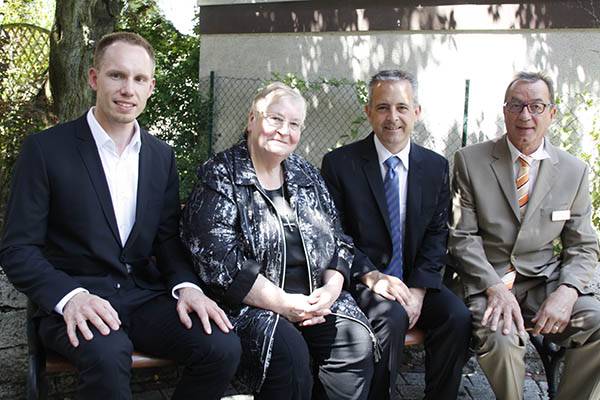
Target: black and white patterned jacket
x=233, y=233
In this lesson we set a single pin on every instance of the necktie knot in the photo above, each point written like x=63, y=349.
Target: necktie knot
x=525, y=160
x=392, y=162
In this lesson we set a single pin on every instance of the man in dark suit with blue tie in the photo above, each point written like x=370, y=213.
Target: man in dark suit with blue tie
x=393, y=197
x=91, y=237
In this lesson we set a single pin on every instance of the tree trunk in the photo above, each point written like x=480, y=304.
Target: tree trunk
x=78, y=25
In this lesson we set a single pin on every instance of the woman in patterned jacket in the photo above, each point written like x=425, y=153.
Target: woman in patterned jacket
x=266, y=241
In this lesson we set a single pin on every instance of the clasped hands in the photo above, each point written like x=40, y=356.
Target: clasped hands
x=312, y=309
x=394, y=289
x=85, y=307
x=552, y=317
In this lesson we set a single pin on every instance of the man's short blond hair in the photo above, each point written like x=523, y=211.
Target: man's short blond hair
x=127, y=37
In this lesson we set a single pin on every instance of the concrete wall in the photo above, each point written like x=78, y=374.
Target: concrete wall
x=442, y=61
x=444, y=45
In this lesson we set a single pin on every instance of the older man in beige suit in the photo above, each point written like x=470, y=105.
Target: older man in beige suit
x=514, y=198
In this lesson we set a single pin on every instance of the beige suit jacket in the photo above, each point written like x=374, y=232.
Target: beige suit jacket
x=487, y=236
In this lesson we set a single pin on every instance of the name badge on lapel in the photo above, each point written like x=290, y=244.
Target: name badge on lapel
x=561, y=215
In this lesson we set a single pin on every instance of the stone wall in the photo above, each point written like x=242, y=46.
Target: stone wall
x=13, y=341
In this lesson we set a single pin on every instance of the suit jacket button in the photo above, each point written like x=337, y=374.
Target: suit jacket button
x=117, y=285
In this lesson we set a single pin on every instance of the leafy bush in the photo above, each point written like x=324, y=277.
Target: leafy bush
x=177, y=112
x=23, y=104
x=571, y=131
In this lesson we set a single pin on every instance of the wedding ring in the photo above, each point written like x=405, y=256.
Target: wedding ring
x=555, y=327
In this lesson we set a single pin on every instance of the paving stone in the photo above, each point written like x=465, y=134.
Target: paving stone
x=413, y=378
x=479, y=388
x=410, y=392
x=543, y=388
x=462, y=391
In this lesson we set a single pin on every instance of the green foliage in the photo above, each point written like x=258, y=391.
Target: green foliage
x=35, y=12
x=23, y=71
x=176, y=111
x=25, y=50
x=359, y=86
x=580, y=108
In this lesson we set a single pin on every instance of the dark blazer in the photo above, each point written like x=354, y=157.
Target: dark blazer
x=60, y=230
x=353, y=176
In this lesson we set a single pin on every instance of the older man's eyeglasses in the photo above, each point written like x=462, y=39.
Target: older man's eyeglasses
x=534, y=108
x=277, y=121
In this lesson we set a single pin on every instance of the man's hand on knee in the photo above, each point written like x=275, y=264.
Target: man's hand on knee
x=502, y=304
x=388, y=286
x=84, y=307
x=193, y=300
x=555, y=313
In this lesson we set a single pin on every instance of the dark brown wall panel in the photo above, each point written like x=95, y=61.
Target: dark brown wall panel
x=349, y=15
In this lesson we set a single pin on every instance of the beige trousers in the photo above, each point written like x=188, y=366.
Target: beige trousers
x=502, y=356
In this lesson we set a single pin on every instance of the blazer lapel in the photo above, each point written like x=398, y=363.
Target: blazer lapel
x=143, y=190
x=91, y=159
x=503, y=169
x=373, y=173
x=544, y=181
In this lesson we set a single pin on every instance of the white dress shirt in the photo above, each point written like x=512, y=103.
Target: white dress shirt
x=402, y=171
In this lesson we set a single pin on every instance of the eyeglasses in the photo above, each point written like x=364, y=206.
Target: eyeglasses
x=276, y=121
x=534, y=108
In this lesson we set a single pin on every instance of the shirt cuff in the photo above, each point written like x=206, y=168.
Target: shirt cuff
x=63, y=302
x=184, y=285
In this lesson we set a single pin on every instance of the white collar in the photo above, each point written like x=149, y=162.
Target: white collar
x=102, y=139
x=383, y=153
x=539, y=154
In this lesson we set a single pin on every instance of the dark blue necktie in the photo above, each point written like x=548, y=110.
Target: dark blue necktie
x=391, y=185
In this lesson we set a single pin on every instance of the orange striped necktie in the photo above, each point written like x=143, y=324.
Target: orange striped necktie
x=509, y=277
x=523, y=196
x=523, y=183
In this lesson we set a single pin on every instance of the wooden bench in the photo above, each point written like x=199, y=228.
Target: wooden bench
x=42, y=361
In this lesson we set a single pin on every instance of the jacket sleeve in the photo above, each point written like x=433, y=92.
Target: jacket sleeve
x=344, y=251
x=172, y=260
x=361, y=264
x=211, y=231
x=580, y=244
x=465, y=243
x=25, y=226
x=431, y=251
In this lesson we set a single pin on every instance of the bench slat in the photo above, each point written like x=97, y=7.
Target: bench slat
x=57, y=363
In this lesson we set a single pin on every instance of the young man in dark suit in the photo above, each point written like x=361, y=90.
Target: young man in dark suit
x=91, y=237
x=393, y=197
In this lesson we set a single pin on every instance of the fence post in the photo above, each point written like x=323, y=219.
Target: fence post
x=211, y=102
x=466, y=113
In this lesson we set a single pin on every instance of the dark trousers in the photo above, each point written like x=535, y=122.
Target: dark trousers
x=151, y=324
x=447, y=325
x=342, y=353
